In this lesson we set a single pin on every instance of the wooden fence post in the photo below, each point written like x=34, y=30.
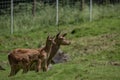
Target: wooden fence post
x=34, y=7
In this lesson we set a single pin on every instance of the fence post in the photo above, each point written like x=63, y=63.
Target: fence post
x=82, y=4
x=12, y=17
x=57, y=18
x=34, y=7
x=90, y=10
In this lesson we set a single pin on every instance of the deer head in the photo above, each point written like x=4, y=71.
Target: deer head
x=61, y=40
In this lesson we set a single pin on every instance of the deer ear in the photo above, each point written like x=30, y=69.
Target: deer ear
x=48, y=37
x=58, y=34
x=64, y=34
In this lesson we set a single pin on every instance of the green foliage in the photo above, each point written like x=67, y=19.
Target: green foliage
x=94, y=50
x=46, y=16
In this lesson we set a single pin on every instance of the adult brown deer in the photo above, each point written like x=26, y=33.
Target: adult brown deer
x=24, y=58
x=59, y=40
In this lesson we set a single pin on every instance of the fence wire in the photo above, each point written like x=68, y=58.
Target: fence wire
x=31, y=14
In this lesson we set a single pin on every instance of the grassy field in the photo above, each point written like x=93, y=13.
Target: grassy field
x=95, y=51
x=95, y=48
x=46, y=16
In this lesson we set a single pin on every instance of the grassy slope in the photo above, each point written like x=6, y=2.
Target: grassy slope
x=95, y=45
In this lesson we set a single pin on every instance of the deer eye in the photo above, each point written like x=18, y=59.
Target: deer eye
x=50, y=39
x=61, y=39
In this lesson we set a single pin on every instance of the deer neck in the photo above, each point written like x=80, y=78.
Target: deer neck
x=54, y=49
x=47, y=48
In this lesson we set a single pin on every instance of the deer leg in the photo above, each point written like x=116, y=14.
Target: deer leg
x=44, y=66
x=32, y=66
x=17, y=70
x=48, y=62
x=11, y=72
x=26, y=65
x=13, y=69
x=25, y=68
x=38, y=67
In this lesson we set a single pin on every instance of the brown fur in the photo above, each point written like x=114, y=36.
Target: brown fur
x=21, y=59
x=24, y=58
x=59, y=40
x=45, y=52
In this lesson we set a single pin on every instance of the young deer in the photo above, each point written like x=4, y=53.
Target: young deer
x=44, y=54
x=23, y=58
x=59, y=40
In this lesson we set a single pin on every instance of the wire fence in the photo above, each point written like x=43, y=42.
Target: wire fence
x=20, y=15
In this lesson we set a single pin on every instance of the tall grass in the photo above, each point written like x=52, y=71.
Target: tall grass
x=46, y=16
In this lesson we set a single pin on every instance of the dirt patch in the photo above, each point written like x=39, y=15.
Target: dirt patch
x=113, y=63
x=94, y=44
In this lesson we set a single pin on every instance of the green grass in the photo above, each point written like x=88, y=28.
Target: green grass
x=46, y=16
x=95, y=45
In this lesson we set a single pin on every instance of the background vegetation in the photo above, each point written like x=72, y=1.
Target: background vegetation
x=95, y=48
